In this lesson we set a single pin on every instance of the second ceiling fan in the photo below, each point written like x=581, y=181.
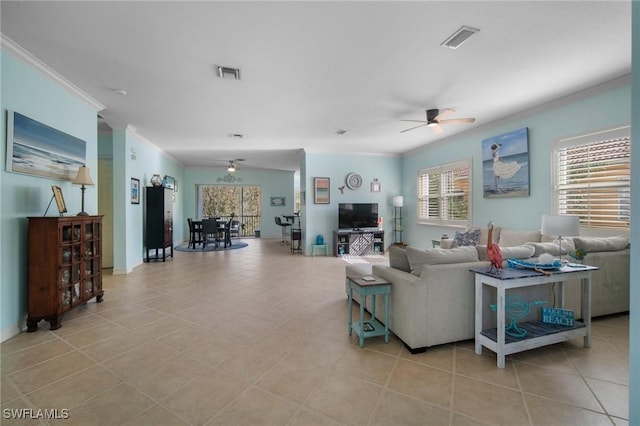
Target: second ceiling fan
x=435, y=118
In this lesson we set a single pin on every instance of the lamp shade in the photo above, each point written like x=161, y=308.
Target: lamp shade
x=83, y=177
x=398, y=201
x=562, y=226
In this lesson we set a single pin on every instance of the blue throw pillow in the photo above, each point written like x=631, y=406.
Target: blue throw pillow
x=466, y=238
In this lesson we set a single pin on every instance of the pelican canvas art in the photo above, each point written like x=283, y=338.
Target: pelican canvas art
x=505, y=165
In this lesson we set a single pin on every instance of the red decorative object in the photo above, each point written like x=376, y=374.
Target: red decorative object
x=493, y=250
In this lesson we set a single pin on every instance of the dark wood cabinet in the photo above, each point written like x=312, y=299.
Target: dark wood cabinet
x=65, y=266
x=159, y=222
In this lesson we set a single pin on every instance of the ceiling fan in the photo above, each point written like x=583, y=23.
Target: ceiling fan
x=435, y=118
x=232, y=164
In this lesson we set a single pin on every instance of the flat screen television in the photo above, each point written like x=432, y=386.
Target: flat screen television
x=357, y=215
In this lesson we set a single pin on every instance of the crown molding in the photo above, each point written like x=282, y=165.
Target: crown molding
x=27, y=58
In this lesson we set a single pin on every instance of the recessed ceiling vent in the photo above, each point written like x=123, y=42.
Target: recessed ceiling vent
x=456, y=39
x=227, y=72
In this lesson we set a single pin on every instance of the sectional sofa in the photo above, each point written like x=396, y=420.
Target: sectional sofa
x=432, y=298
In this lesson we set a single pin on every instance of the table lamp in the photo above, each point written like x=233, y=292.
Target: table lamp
x=83, y=178
x=561, y=226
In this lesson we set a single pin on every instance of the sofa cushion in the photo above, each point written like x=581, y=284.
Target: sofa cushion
x=510, y=238
x=520, y=252
x=592, y=244
x=398, y=258
x=466, y=238
x=484, y=235
x=419, y=257
x=550, y=248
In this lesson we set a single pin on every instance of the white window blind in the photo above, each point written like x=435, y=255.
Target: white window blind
x=444, y=194
x=593, y=179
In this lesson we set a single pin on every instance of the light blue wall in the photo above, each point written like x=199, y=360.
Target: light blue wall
x=634, y=326
x=129, y=222
x=323, y=218
x=273, y=184
x=31, y=93
x=592, y=110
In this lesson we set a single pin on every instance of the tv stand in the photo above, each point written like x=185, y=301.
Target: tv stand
x=358, y=242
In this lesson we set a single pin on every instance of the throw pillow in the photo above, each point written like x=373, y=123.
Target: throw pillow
x=510, y=238
x=398, y=259
x=549, y=248
x=419, y=257
x=520, y=252
x=591, y=244
x=466, y=238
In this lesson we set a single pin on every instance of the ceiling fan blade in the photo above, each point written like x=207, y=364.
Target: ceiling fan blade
x=444, y=113
x=416, y=121
x=457, y=121
x=411, y=128
x=437, y=129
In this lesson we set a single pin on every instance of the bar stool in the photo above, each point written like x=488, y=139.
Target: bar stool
x=284, y=229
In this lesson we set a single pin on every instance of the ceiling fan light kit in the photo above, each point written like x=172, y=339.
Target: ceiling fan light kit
x=435, y=118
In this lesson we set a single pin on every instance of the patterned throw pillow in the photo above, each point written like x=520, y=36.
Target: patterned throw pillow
x=466, y=238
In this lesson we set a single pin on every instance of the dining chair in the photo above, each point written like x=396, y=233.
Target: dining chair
x=234, y=228
x=209, y=231
x=195, y=232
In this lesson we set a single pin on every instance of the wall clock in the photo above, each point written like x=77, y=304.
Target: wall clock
x=354, y=181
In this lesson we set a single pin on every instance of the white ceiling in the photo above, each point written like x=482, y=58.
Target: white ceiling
x=311, y=68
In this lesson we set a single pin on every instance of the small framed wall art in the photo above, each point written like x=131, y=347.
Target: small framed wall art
x=321, y=193
x=375, y=186
x=135, y=191
x=169, y=182
x=278, y=201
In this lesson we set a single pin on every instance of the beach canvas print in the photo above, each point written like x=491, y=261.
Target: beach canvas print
x=36, y=149
x=505, y=165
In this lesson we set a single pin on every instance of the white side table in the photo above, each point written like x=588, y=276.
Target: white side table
x=538, y=333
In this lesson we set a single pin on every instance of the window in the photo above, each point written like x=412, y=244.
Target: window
x=224, y=201
x=444, y=194
x=593, y=178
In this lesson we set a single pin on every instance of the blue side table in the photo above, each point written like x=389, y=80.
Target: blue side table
x=372, y=327
x=324, y=247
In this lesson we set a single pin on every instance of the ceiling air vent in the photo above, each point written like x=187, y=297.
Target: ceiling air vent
x=227, y=72
x=456, y=39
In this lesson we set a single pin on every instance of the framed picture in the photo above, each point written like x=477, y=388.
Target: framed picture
x=278, y=201
x=375, y=186
x=169, y=182
x=321, y=193
x=135, y=191
x=57, y=194
x=505, y=165
x=34, y=148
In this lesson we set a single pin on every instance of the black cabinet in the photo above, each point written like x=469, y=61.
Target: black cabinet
x=159, y=222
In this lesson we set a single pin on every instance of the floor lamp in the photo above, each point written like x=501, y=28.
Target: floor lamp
x=567, y=226
x=83, y=178
x=398, y=201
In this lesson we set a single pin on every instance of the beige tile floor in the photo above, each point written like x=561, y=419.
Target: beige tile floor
x=258, y=336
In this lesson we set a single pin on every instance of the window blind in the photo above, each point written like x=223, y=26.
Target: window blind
x=593, y=181
x=444, y=193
